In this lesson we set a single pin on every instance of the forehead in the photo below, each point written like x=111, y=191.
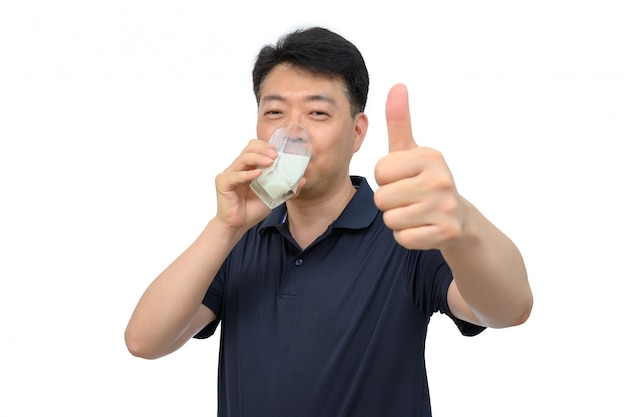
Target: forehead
x=292, y=83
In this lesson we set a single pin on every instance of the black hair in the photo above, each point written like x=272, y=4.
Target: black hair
x=319, y=51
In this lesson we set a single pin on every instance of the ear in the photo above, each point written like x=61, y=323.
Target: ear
x=361, y=123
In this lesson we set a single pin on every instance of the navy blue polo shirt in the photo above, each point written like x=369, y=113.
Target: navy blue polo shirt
x=336, y=329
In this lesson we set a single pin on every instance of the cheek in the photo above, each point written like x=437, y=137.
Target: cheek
x=264, y=132
x=331, y=147
x=265, y=128
x=320, y=149
x=326, y=156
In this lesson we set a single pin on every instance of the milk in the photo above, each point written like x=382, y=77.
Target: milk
x=279, y=182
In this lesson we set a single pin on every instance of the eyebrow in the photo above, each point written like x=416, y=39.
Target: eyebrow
x=312, y=97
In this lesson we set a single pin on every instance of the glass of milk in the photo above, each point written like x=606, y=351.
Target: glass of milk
x=279, y=181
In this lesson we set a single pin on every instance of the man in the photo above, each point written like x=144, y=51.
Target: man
x=325, y=300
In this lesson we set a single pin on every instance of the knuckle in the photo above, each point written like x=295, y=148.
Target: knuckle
x=380, y=200
x=379, y=171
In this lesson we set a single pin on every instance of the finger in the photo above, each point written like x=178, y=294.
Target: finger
x=400, y=193
x=399, y=119
x=422, y=238
x=398, y=165
x=261, y=147
x=229, y=181
x=257, y=154
x=248, y=161
x=406, y=217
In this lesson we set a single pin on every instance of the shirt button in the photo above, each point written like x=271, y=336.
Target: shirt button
x=298, y=262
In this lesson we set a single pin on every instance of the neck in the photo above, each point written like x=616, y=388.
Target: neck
x=308, y=219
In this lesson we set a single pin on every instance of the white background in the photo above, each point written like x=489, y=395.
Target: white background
x=116, y=116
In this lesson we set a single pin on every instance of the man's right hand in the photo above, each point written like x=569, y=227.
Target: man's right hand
x=238, y=207
x=170, y=311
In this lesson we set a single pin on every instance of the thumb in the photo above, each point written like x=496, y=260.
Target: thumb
x=399, y=119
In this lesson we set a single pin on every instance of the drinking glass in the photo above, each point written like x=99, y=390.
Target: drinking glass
x=279, y=181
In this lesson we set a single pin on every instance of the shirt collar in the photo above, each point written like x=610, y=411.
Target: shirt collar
x=358, y=214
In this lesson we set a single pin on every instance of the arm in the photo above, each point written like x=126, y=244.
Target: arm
x=424, y=209
x=170, y=311
x=490, y=286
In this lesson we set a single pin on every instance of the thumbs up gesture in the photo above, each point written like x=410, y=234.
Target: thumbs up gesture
x=416, y=193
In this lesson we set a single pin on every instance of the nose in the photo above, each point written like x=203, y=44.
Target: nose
x=295, y=119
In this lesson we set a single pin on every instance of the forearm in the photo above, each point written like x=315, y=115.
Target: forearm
x=489, y=272
x=168, y=305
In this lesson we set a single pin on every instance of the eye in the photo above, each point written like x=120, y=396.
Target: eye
x=273, y=114
x=319, y=114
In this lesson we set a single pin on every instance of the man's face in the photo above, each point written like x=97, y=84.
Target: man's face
x=321, y=105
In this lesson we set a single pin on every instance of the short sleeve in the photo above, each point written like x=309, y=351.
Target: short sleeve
x=213, y=300
x=429, y=283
